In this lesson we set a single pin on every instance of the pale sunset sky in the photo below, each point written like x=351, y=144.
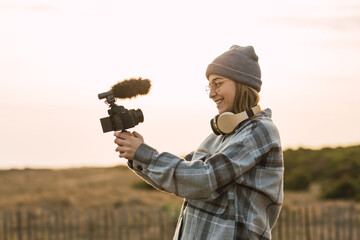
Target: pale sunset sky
x=56, y=56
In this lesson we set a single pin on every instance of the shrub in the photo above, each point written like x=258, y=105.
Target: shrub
x=297, y=180
x=344, y=188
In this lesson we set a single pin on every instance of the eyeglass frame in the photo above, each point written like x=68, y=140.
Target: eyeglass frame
x=215, y=86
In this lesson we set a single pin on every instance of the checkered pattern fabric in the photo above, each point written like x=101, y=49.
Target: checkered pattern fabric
x=232, y=185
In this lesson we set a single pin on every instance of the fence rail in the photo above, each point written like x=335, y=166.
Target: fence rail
x=300, y=223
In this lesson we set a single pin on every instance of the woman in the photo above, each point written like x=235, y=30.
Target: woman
x=233, y=183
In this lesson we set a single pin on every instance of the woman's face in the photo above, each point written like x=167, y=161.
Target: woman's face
x=222, y=92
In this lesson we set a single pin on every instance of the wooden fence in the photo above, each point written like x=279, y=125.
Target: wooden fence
x=301, y=223
x=103, y=224
x=331, y=222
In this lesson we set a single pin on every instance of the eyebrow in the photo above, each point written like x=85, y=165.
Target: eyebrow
x=217, y=78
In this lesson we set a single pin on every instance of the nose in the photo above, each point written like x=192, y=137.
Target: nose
x=212, y=93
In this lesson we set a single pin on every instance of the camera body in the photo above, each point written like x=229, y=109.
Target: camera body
x=119, y=118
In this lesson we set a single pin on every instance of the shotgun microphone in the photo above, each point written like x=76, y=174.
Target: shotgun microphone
x=128, y=88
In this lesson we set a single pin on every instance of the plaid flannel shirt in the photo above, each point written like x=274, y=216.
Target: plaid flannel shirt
x=232, y=184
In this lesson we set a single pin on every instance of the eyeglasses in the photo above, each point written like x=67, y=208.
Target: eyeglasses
x=215, y=86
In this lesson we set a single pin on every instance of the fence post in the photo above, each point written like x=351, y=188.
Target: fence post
x=293, y=225
x=11, y=224
x=70, y=227
x=315, y=224
x=97, y=222
x=36, y=224
x=48, y=225
x=28, y=224
x=41, y=224
x=307, y=223
x=301, y=222
x=106, y=224
x=343, y=220
x=323, y=223
x=57, y=225
x=63, y=229
x=5, y=225
x=336, y=222
x=90, y=233
x=119, y=224
x=357, y=224
x=330, y=219
x=19, y=224
x=288, y=222
x=112, y=224
x=77, y=224
x=350, y=210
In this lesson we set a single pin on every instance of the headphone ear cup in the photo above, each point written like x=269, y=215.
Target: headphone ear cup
x=214, y=125
x=227, y=122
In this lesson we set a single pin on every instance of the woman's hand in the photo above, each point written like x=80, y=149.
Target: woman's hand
x=127, y=143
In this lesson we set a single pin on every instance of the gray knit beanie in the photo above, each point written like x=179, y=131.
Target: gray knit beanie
x=239, y=64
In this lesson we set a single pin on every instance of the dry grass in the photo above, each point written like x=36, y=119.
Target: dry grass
x=97, y=187
x=78, y=188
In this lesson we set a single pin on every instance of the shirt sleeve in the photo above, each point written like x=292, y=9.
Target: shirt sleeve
x=203, y=180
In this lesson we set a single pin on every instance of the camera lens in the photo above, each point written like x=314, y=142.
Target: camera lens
x=137, y=116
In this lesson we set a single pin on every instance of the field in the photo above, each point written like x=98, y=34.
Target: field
x=86, y=188
x=48, y=197
x=82, y=188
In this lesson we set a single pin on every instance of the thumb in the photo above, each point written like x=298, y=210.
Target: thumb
x=137, y=135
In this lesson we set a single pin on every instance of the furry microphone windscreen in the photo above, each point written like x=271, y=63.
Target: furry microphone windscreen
x=131, y=88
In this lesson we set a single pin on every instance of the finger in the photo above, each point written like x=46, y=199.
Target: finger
x=123, y=135
x=117, y=134
x=123, y=155
x=137, y=135
x=119, y=149
x=121, y=142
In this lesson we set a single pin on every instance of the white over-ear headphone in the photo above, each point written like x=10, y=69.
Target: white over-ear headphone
x=227, y=122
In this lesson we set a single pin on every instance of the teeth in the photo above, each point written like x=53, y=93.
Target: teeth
x=219, y=101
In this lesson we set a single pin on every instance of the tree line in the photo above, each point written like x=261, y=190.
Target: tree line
x=335, y=169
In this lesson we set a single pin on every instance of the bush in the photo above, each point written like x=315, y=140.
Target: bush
x=345, y=188
x=297, y=180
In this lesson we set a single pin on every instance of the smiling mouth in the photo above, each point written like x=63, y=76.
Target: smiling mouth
x=219, y=101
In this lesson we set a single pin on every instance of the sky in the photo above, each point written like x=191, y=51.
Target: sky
x=57, y=56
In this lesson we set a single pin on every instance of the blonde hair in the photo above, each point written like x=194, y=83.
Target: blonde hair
x=245, y=98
